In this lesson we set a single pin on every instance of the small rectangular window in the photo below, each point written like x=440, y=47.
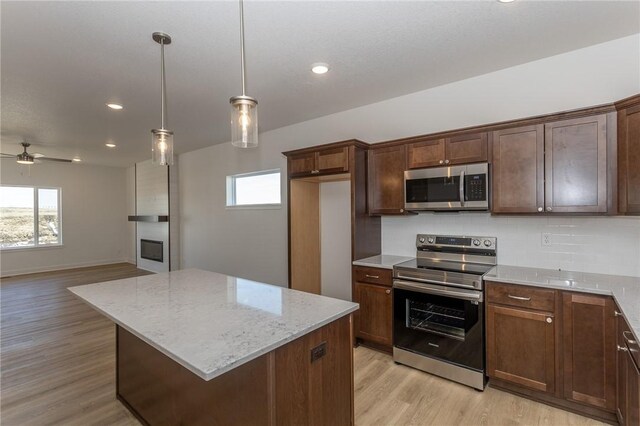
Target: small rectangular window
x=254, y=189
x=29, y=217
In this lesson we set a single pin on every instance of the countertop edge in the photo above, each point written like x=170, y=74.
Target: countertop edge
x=370, y=263
x=220, y=371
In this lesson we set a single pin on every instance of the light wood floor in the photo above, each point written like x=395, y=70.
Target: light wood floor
x=58, y=367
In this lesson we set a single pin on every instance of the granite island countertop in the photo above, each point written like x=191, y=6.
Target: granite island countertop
x=208, y=322
x=385, y=261
x=624, y=289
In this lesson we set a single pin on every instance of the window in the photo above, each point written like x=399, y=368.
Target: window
x=29, y=217
x=254, y=189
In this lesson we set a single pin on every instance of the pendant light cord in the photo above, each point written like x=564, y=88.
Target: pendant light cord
x=242, y=46
x=163, y=85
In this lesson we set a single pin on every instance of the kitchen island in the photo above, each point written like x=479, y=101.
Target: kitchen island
x=198, y=347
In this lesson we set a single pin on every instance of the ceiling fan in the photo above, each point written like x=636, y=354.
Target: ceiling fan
x=25, y=158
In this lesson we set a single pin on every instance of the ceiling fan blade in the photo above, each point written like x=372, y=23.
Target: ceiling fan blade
x=37, y=155
x=61, y=160
x=8, y=155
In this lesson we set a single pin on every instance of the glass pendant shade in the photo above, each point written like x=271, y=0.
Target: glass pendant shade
x=162, y=147
x=244, y=122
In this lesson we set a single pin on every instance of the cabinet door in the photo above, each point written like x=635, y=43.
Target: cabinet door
x=622, y=372
x=426, y=154
x=334, y=160
x=302, y=164
x=576, y=165
x=518, y=170
x=386, y=180
x=628, y=160
x=521, y=347
x=633, y=393
x=374, y=319
x=467, y=149
x=589, y=350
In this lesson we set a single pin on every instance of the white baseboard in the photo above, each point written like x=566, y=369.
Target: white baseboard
x=13, y=272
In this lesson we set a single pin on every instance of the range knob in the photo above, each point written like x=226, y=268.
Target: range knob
x=487, y=243
x=431, y=240
x=476, y=242
x=421, y=239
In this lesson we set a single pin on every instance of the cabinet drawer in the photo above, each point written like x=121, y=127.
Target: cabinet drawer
x=521, y=296
x=374, y=275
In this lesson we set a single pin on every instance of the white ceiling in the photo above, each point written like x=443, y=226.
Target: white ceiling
x=62, y=61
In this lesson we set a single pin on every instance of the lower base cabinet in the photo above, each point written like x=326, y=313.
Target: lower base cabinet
x=558, y=347
x=373, y=321
x=628, y=374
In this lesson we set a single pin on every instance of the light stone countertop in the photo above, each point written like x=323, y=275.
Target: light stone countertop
x=211, y=323
x=385, y=261
x=625, y=290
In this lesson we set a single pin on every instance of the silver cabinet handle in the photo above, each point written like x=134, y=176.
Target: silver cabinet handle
x=622, y=348
x=461, y=188
x=315, y=171
x=388, y=291
x=549, y=209
x=526, y=299
x=629, y=340
x=540, y=209
x=549, y=320
x=441, y=161
x=372, y=276
x=446, y=161
x=617, y=314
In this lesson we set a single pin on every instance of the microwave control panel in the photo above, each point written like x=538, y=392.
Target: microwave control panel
x=476, y=187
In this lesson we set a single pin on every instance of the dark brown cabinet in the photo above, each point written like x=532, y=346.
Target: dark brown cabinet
x=521, y=343
x=629, y=156
x=558, y=167
x=462, y=149
x=386, y=180
x=373, y=321
x=589, y=365
x=628, y=376
x=576, y=165
x=518, y=170
x=333, y=160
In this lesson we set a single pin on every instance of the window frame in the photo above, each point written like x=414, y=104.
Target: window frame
x=231, y=191
x=36, y=218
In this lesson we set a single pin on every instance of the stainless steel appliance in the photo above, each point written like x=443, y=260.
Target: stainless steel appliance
x=447, y=188
x=438, y=307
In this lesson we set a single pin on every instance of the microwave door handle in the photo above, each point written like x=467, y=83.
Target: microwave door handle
x=461, y=189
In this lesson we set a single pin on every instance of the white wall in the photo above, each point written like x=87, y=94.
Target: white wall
x=253, y=243
x=335, y=239
x=94, y=216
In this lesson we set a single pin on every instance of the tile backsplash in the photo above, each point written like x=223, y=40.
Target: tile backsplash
x=608, y=245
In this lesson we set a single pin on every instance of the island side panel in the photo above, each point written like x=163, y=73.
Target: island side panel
x=316, y=392
x=159, y=391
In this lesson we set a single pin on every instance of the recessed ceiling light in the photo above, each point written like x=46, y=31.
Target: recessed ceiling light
x=110, y=145
x=115, y=106
x=76, y=159
x=506, y=1
x=320, y=68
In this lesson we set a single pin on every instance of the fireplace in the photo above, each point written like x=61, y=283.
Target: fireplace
x=152, y=250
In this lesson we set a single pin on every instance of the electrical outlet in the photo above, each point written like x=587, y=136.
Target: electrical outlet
x=546, y=239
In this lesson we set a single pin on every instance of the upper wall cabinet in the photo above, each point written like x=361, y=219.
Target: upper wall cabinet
x=558, y=167
x=629, y=155
x=325, y=161
x=463, y=149
x=386, y=180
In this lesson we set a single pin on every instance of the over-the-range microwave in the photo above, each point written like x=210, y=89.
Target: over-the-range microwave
x=447, y=188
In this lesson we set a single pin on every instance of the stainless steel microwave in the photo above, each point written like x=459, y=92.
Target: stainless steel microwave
x=447, y=188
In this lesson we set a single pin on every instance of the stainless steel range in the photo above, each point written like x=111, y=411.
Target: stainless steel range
x=438, y=307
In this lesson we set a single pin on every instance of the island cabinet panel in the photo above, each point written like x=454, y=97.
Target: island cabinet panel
x=521, y=347
x=629, y=156
x=159, y=391
x=386, y=180
x=589, y=350
x=518, y=170
x=576, y=165
x=316, y=390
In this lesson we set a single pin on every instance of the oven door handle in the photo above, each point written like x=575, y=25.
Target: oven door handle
x=400, y=274
x=474, y=296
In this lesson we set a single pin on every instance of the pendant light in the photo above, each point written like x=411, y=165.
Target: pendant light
x=244, y=109
x=162, y=139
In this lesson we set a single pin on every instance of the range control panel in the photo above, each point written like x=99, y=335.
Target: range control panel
x=425, y=241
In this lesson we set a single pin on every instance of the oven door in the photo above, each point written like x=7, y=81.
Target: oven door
x=440, y=322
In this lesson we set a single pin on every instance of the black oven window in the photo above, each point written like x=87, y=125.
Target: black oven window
x=438, y=318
